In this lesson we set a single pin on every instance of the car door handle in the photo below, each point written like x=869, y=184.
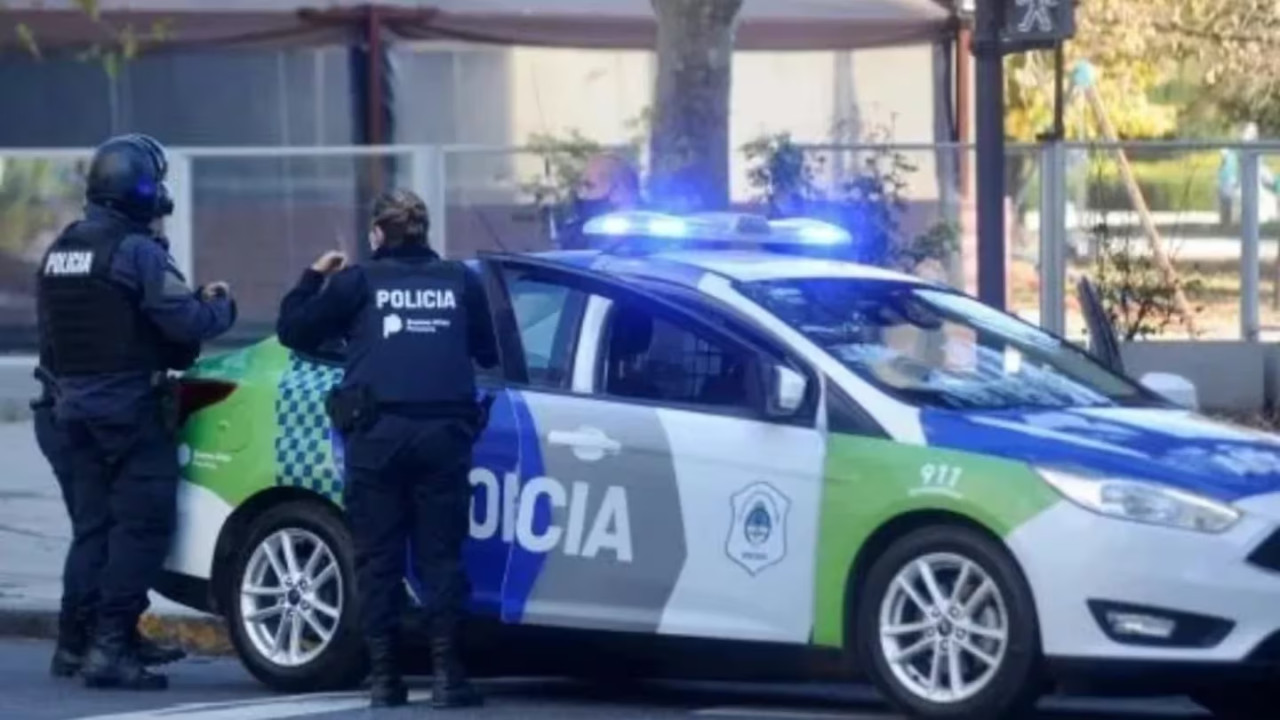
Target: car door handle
x=588, y=443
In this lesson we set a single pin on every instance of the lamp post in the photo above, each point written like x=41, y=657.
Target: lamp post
x=989, y=139
x=1000, y=28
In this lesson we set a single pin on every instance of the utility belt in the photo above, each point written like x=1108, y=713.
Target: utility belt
x=164, y=391
x=353, y=409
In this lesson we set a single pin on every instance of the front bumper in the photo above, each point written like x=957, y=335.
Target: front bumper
x=1072, y=556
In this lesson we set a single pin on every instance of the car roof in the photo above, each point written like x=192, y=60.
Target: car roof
x=689, y=267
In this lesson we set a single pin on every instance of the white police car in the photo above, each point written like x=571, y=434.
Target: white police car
x=705, y=436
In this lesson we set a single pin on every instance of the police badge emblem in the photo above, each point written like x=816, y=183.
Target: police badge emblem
x=758, y=528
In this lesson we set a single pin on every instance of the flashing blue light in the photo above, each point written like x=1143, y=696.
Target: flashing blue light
x=641, y=224
x=729, y=228
x=667, y=227
x=612, y=225
x=813, y=232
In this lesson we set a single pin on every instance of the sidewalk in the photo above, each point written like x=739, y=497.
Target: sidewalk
x=34, y=535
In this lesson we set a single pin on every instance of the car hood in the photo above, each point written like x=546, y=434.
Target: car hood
x=1172, y=447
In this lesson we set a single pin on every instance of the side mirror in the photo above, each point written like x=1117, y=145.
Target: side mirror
x=786, y=391
x=1173, y=388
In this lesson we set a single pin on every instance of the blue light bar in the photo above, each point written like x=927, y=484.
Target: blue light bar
x=812, y=232
x=636, y=224
x=720, y=227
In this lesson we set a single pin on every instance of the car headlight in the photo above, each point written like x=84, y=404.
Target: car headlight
x=1143, y=502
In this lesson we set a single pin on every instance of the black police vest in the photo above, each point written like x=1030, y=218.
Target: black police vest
x=409, y=344
x=90, y=324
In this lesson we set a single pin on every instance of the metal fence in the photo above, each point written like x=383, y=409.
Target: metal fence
x=256, y=216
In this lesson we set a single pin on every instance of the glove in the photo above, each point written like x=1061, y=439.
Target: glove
x=485, y=409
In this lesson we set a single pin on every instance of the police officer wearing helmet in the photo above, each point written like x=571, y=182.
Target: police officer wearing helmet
x=115, y=314
x=408, y=413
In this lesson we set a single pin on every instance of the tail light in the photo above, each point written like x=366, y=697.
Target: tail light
x=195, y=395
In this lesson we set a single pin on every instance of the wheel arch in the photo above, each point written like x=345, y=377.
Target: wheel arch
x=237, y=526
x=880, y=540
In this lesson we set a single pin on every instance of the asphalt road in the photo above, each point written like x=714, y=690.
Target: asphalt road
x=208, y=689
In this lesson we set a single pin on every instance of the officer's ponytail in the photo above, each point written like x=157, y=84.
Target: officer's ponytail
x=402, y=217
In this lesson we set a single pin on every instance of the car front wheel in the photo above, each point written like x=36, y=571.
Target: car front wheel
x=289, y=601
x=946, y=627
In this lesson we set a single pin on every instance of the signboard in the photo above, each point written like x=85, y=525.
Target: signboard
x=1031, y=24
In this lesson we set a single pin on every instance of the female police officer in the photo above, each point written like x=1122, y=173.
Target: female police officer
x=407, y=410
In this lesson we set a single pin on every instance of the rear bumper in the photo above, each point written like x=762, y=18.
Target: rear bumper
x=193, y=592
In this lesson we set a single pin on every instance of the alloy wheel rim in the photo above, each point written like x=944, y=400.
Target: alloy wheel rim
x=291, y=597
x=944, y=628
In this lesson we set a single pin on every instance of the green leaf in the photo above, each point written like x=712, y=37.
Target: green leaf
x=27, y=39
x=91, y=8
x=129, y=43
x=111, y=64
x=161, y=30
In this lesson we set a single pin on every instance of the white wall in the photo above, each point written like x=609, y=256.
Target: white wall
x=808, y=94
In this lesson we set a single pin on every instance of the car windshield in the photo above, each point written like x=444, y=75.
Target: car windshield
x=930, y=346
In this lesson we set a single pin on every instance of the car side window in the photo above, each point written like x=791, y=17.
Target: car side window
x=646, y=357
x=547, y=316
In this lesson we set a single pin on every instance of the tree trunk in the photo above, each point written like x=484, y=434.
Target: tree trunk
x=689, y=150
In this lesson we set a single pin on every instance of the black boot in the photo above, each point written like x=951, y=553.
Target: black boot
x=112, y=663
x=73, y=643
x=450, y=687
x=386, y=688
x=151, y=653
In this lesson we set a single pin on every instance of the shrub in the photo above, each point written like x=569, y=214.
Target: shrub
x=1188, y=183
x=868, y=201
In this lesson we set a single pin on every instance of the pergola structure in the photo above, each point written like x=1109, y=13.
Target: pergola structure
x=369, y=31
x=367, y=28
x=766, y=24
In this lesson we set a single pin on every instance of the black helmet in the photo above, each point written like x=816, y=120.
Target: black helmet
x=127, y=174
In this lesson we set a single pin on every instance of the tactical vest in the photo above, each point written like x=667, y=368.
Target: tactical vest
x=409, y=345
x=89, y=323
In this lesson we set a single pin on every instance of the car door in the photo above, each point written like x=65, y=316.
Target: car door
x=1103, y=342
x=660, y=500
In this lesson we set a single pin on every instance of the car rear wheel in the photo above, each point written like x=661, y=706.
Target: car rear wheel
x=289, y=601
x=946, y=627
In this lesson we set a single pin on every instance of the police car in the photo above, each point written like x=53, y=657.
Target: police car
x=715, y=434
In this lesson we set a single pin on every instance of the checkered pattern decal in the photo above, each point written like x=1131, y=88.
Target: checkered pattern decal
x=303, y=447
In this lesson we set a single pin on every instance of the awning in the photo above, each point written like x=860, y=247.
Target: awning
x=622, y=24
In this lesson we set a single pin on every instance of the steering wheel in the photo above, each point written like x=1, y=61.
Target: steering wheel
x=910, y=367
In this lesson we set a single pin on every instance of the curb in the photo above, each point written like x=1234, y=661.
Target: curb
x=197, y=634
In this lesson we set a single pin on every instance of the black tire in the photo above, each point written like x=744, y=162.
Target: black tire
x=343, y=664
x=1015, y=686
x=1239, y=701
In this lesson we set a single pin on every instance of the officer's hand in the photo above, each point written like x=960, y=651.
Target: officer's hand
x=215, y=290
x=330, y=262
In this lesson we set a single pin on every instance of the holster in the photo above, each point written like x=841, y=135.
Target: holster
x=351, y=409
x=165, y=389
x=48, y=384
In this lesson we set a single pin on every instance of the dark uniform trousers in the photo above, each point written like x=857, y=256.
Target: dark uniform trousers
x=79, y=590
x=124, y=500
x=407, y=484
